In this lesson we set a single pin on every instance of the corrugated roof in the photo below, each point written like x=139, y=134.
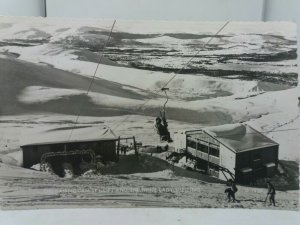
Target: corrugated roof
x=239, y=137
x=62, y=135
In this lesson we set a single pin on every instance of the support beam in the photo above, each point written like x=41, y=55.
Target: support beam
x=134, y=145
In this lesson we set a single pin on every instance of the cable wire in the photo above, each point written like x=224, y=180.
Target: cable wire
x=172, y=78
x=92, y=81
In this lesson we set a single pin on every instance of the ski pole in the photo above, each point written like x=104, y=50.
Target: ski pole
x=267, y=197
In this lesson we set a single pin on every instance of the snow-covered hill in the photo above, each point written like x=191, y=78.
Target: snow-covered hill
x=247, y=74
x=252, y=51
x=28, y=189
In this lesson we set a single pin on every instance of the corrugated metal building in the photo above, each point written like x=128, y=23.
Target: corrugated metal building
x=230, y=151
x=101, y=140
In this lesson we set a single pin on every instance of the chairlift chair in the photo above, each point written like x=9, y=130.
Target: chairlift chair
x=161, y=123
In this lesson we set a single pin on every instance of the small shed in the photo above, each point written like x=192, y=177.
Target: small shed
x=230, y=151
x=101, y=140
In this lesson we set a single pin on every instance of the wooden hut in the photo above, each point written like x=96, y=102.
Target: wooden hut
x=101, y=140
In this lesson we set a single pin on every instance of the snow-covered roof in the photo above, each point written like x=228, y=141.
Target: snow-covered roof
x=239, y=137
x=62, y=135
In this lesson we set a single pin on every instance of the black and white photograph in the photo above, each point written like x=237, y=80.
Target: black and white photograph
x=137, y=114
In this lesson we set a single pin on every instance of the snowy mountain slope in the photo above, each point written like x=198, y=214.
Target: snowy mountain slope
x=16, y=75
x=163, y=189
x=160, y=46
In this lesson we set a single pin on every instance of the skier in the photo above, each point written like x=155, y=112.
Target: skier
x=271, y=193
x=231, y=191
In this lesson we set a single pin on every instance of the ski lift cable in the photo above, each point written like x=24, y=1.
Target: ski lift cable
x=229, y=135
x=191, y=59
x=270, y=132
x=179, y=71
x=92, y=81
x=188, y=62
x=185, y=128
x=166, y=100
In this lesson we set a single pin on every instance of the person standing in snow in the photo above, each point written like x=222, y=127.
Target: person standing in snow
x=271, y=193
x=231, y=191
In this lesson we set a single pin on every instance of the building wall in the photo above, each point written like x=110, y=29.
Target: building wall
x=205, y=150
x=267, y=155
x=203, y=146
x=32, y=154
x=107, y=149
x=256, y=159
x=227, y=160
x=179, y=141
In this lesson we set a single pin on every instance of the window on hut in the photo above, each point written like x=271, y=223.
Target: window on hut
x=214, y=152
x=191, y=144
x=202, y=148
